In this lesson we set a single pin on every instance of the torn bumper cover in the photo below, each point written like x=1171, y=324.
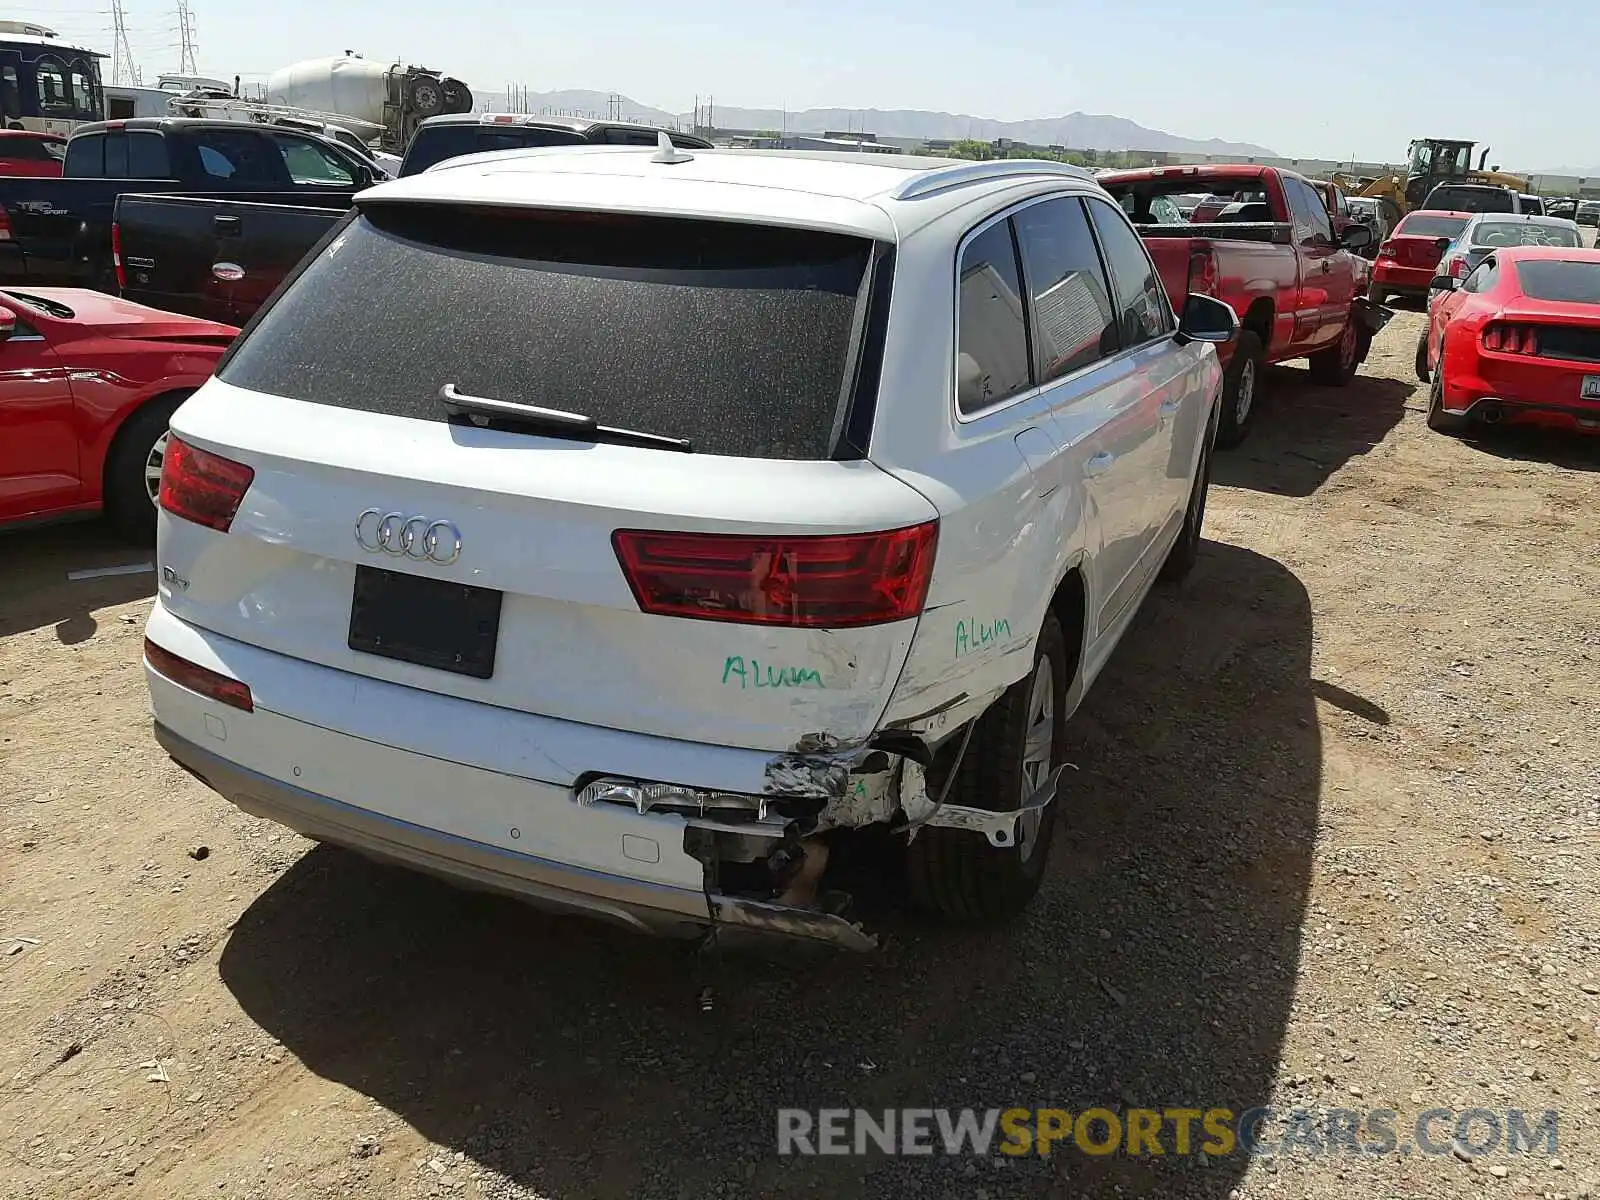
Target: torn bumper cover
x=558, y=887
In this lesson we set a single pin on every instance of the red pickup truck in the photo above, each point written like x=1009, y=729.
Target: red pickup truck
x=1263, y=243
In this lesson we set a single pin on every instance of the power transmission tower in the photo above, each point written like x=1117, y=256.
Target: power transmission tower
x=186, y=65
x=123, y=68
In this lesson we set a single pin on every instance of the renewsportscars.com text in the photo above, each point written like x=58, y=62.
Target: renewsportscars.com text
x=1149, y=1132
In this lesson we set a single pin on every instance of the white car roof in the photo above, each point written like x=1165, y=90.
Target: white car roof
x=882, y=196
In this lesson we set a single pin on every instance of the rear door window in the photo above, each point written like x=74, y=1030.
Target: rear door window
x=1073, y=323
x=737, y=337
x=992, y=327
x=307, y=162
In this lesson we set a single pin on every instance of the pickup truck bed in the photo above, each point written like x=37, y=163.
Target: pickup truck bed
x=218, y=258
x=1297, y=289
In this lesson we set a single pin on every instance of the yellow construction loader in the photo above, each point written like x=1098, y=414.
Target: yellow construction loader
x=1432, y=161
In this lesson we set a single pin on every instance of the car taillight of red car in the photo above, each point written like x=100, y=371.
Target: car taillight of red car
x=1503, y=338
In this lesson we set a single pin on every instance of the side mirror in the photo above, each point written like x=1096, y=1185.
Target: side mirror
x=1207, y=319
x=1442, y=244
x=8, y=324
x=1356, y=237
x=1442, y=283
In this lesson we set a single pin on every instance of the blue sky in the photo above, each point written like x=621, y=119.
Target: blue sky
x=1329, y=80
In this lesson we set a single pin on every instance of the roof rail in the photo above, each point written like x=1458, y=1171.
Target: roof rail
x=937, y=179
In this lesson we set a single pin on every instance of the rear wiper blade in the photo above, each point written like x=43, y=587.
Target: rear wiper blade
x=553, y=421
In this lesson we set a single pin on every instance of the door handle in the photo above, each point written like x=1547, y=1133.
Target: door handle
x=225, y=226
x=1099, y=464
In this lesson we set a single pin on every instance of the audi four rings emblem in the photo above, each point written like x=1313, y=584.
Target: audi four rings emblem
x=413, y=537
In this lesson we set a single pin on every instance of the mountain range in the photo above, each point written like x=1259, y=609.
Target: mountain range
x=1078, y=131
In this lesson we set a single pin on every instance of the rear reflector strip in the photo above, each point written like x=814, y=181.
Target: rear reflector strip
x=211, y=684
x=826, y=582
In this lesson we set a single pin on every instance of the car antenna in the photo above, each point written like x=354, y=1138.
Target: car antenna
x=666, y=152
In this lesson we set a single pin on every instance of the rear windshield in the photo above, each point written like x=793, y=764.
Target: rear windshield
x=1472, y=199
x=1524, y=233
x=1423, y=225
x=1560, y=279
x=737, y=337
x=434, y=145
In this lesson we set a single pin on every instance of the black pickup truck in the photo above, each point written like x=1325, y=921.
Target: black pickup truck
x=61, y=229
x=222, y=257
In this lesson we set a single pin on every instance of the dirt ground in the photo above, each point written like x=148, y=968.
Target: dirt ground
x=1331, y=842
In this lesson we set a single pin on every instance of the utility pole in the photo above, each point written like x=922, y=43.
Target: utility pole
x=123, y=68
x=186, y=65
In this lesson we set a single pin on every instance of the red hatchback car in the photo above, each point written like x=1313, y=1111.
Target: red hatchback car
x=1517, y=341
x=87, y=385
x=1408, y=256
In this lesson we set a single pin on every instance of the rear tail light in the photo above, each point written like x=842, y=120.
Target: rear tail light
x=211, y=684
x=5, y=225
x=813, y=582
x=1511, y=339
x=1203, y=272
x=1458, y=267
x=202, y=487
x=116, y=256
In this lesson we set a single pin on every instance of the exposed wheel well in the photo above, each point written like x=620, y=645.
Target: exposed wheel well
x=180, y=394
x=1070, y=605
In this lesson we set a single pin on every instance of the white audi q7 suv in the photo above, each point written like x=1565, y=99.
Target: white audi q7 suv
x=621, y=527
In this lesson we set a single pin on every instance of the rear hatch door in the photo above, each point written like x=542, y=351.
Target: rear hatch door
x=392, y=535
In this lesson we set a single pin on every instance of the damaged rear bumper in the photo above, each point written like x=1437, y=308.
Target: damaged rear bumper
x=641, y=905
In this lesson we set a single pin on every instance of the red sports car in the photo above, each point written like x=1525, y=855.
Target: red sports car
x=1408, y=256
x=87, y=385
x=1516, y=341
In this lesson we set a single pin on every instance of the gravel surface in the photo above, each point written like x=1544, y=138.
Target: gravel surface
x=1330, y=842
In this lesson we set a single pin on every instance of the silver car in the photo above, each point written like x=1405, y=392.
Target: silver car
x=1488, y=232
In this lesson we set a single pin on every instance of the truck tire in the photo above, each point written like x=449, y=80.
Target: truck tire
x=1336, y=366
x=1422, y=356
x=133, y=467
x=1439, y=420
x=1185, y=551
x=1017, y=743
x=1241, y=385
x=425, y=96
x=1376, y=294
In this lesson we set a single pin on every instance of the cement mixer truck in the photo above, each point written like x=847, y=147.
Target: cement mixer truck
x=391, y=98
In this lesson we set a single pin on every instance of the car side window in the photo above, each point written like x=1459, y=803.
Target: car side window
x=1143, y=313
x=1309, y=214
x=991, y=325
x=307, y=162
x=1482, y=279
x=243, y=157
x=1072, y=317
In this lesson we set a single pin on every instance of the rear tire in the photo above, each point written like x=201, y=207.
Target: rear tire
x=1017, y=743
x=133, y=468
x=1241, y=385
x=1439, y=420
x=1185, y=551
x=1422, y=356
x=1336, y=366
x=1376, y=294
